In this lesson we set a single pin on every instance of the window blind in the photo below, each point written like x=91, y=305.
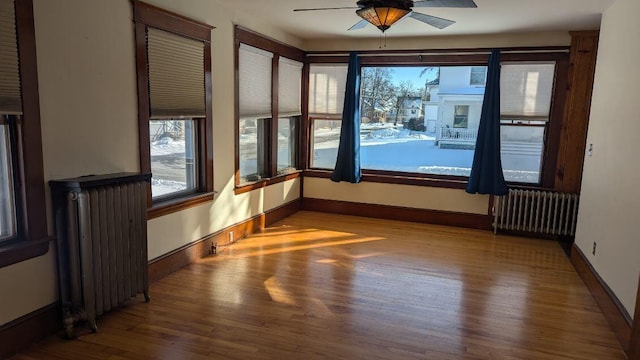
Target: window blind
x=289, y=87
x=327, y=85
x=176, y=75
x=254, y=71
x=526, y=89
x=10, y=95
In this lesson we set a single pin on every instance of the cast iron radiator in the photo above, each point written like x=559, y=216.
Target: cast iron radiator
x=101, y=225
x=535, y=211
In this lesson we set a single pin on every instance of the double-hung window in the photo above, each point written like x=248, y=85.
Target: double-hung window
x=327, y=84
x=174, y=95
x=23, y=223
x=269, y=91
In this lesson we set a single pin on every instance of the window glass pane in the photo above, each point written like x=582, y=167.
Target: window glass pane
x=419, y=119
x=287, y=130
x=325, y=140
x=478, y=75
x=7, y=210
x=173, y=157
x=252, y=167
x=521, y=151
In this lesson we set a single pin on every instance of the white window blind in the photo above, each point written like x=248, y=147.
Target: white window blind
x=10, y=96
x=255, y=69
x=327, y=85
x=289, y=87
x=526, y=89
x=176, y=75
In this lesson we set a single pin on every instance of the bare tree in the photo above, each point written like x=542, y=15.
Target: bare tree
x=403, y=91
x=376, y=88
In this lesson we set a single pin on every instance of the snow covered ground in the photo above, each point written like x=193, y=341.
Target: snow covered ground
x=383, y=147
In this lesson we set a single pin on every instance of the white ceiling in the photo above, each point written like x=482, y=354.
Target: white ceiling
x=491, y=16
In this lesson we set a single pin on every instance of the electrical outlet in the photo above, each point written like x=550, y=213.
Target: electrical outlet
x=231, y=237
x=593, y=250
x=214, y=248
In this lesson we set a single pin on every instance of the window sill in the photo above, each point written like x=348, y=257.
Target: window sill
x=23, y=250
x=387, y=177
x=241, y=189
x=174, y=205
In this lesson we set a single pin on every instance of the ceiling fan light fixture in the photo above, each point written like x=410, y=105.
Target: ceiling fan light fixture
x=382, y=17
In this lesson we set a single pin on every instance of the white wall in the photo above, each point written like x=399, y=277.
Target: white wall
x=87, y=84
x=610, y=199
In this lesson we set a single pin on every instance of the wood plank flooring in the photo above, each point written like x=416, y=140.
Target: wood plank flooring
x=322, y=286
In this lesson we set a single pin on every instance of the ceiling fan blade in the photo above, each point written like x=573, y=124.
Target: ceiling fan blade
x=434, y=21
x=445, y=3
x=329, y=8
x=359, y=25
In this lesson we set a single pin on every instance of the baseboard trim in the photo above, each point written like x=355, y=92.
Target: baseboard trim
x=617, y=316
x=185, y=255
x=18, y=334
x=388, y=212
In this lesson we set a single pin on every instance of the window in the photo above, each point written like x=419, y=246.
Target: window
x=23, y=223
x=174, y=96
x=268, y=115
x=525, y=104
x=478, y=75
x=326, y=98
x=7, y=190
x=461, y=117
x=438, y=141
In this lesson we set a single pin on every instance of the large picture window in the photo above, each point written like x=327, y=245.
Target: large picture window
x=423, y=120
x=269, y=91
x=174, y=95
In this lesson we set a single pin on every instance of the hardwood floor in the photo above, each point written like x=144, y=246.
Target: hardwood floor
x=317, y=286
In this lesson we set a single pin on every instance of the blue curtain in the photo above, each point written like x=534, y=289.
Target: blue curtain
x=348, y=161
x=486, y=172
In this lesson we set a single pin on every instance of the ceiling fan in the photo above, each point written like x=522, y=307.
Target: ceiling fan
x=384, y=13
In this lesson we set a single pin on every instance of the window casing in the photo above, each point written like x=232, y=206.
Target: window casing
x=174, y=99
x=269, y=109
x=23, y=223
x=462, y=130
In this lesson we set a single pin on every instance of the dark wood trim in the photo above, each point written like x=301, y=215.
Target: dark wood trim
x=573, y=134
x=266, y=182
x=255, y=39
x=556, y=120
x=472, y=221
x=18, y=334
x=143, y=102
x=174, y=205
x=31, y=187
x=206, y=145
x=611, y=307
x=634, y=346
x=305, y=124
x=458, y=51
x=166, y=20
x=397, y=178
x=23, y=250
x=175, y=260
x=271, y=142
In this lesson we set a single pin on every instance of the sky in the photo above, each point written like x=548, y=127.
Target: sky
x=411, y=73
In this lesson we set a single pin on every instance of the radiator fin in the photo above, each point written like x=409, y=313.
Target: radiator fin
x=535, y=211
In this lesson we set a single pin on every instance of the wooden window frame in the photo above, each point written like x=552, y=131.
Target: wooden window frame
x=145, y=16
x=32, y=238
x=270, y=145
x=462, y=57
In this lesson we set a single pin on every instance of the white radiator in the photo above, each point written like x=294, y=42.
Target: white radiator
x=535, y=211
x=102, y=244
